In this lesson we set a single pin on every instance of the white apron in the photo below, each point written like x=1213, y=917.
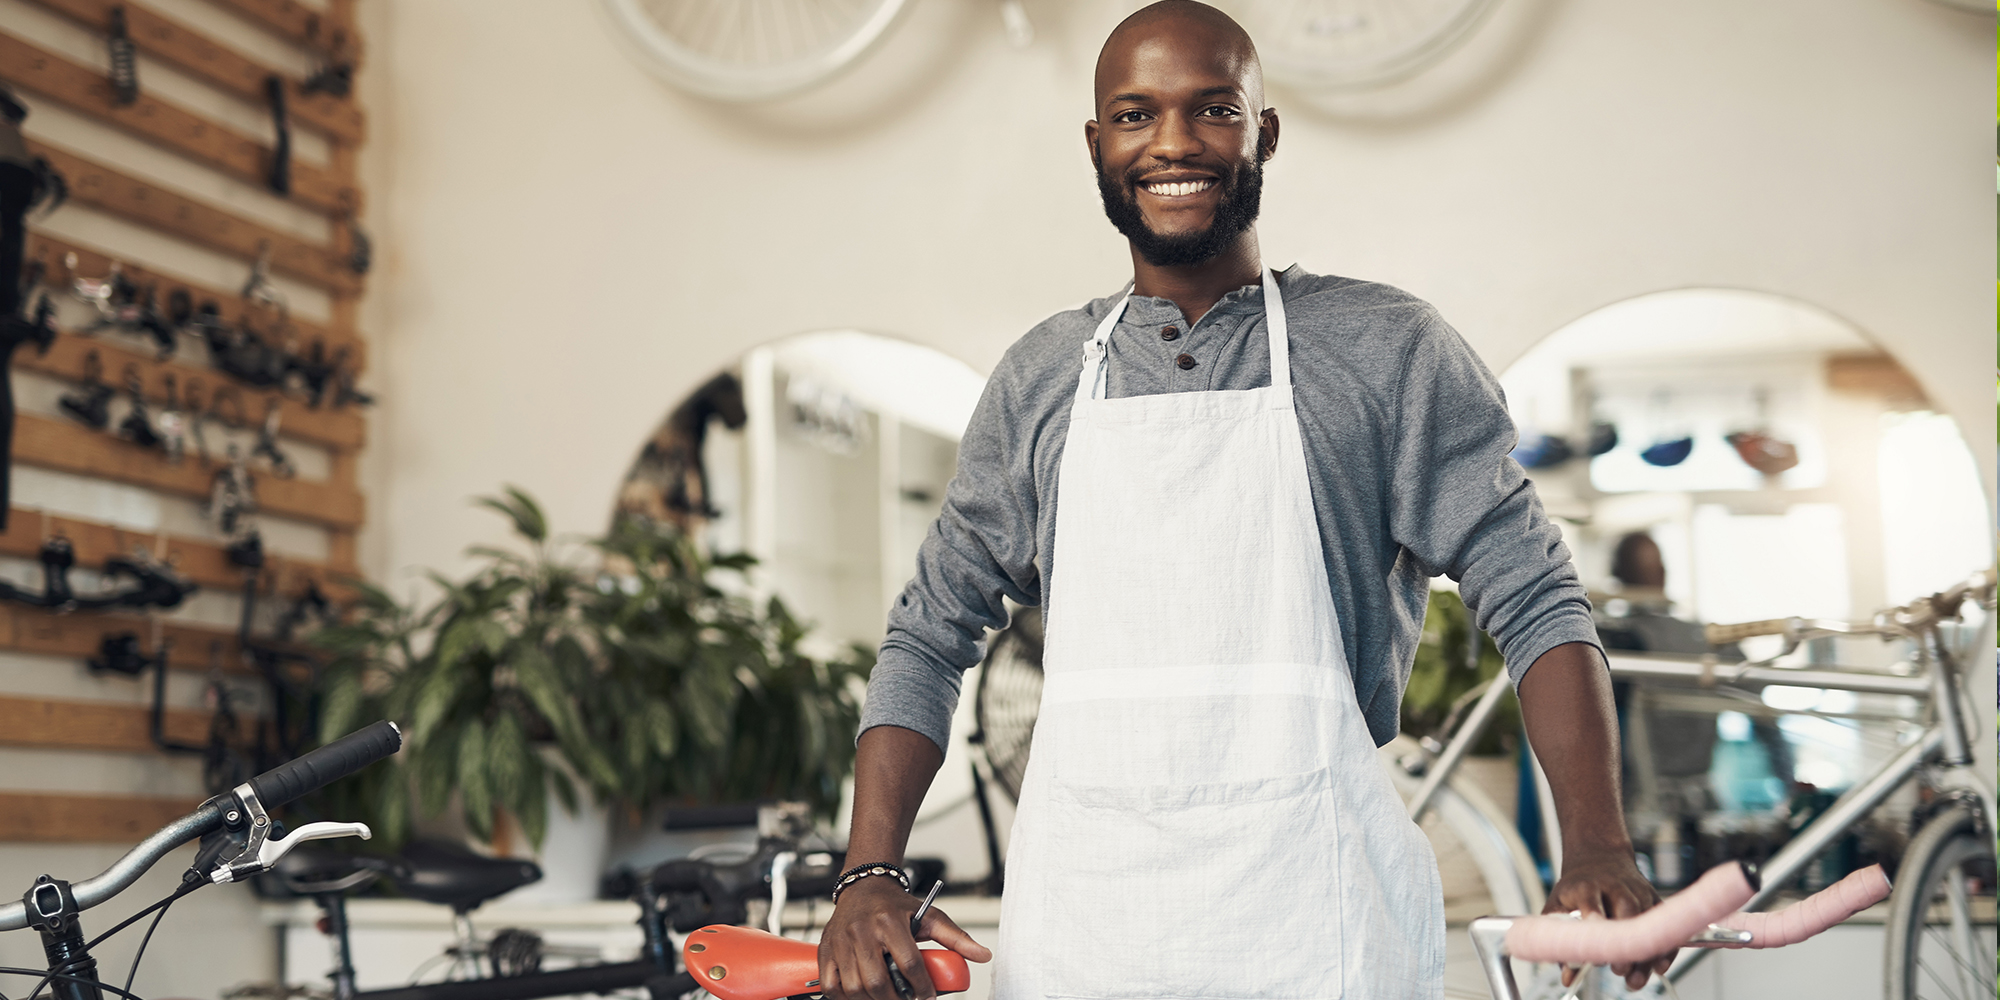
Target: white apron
x=1203, y=815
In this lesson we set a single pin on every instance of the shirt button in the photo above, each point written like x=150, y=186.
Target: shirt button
x=1170, y=333
x=1186, y=361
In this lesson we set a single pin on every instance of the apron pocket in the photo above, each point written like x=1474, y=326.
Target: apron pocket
x=1194, y=892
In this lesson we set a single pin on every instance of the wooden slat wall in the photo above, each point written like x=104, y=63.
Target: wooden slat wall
x=69, y=357
x=172, y=128
x=82, y=725
x=205, y=563
x=31, y=817
x=217, y=65
x=94, y=263
x=125, y=193
x=153, y=206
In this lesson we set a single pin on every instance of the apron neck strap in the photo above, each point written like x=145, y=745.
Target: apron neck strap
x=1091, y=382
x=1274, y=324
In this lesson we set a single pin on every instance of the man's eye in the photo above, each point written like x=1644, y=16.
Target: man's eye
x=1219, y=111
x=1128, y=117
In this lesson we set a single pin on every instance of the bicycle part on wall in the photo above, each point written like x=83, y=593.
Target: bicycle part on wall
x=1356, y=44
x=124, y=58
x=26, y=183
x=750, y=50
x=267, y=443
x=137, y=427
x=91, y=405
x=154, y=584
x=279, y=175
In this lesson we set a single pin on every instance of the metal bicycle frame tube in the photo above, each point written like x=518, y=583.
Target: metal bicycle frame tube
x=1489, y=940
x=1844, y=813
x=1469, y=731
x=1739, y=676
x=562, y=982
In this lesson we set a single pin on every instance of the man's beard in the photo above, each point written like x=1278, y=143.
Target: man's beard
x=1235, y=211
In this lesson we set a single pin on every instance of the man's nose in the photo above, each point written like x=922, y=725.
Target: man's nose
x=1175, y=139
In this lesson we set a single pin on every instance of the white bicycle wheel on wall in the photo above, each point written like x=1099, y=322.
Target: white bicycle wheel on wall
x=751, y=50
x=1356, y=44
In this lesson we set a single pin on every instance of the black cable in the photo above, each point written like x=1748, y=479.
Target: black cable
x=183, y=889
x=133, y=973
x=47, y=977
x=186, y=886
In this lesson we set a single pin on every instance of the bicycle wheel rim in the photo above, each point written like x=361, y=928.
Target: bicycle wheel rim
x=725, y=79
x=1938, y=962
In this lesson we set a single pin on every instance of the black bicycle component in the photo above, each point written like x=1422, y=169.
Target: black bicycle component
x=563, y=982
x=279, y=177
x=329, y=763
x=92, y=405
x=137, y=427
x=124, y=59
x=267, y=443
x=25, y=181
x=52, y=911
x=452, y=876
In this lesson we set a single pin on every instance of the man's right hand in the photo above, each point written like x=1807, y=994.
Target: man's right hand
x=870, y=926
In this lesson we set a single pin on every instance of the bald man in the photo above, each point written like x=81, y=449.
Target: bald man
x=1228, y=488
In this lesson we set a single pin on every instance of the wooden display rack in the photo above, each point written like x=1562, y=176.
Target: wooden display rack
x=334, y=504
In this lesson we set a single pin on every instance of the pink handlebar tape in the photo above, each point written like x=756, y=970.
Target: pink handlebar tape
x=1657, y=931
x=1817, y=912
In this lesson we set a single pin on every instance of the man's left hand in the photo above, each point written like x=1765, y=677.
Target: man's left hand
x=1606, y=882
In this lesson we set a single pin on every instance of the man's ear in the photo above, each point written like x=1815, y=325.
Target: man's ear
x=1090, y=141
x=1267, y=134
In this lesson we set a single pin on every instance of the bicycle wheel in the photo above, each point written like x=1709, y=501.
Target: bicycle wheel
x=1484, y=869
x=1356, y=44
x=751, y=50
x=1940, y=930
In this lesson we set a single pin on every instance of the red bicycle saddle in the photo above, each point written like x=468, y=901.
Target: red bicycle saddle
x=742, y=963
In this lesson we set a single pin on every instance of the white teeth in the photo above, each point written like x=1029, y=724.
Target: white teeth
x=1175, y=189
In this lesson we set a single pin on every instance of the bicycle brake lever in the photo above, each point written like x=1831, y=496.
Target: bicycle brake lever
x=271, y=851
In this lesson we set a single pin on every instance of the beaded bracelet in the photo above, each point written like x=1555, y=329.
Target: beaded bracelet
x=859, y=872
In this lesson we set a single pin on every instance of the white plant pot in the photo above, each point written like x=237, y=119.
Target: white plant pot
x=574, y=852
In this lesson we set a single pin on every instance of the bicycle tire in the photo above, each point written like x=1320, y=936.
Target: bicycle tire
x=1484, y=868
x=1356, y=44
x=1924, y=959
x=750, y=50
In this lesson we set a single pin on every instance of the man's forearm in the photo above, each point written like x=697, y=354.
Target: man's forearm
x=893, y=768
x=1566, y=705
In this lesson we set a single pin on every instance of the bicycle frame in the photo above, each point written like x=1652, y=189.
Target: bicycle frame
x=1943, y=749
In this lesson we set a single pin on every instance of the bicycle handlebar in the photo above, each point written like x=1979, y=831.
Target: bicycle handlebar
x=1556, y=938
x=1817, y=912
x=1722, y=635
x=275, y=787
x=1920, y=614
x=1711, y=899
x=327, y=764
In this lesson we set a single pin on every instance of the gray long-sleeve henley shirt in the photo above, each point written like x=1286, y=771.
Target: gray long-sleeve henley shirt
x=1406, y=440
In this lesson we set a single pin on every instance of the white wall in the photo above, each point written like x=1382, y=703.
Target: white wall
x=567, y=246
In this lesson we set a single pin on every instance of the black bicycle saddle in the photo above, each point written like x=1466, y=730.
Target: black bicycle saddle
x=450, y=875
x=310, y=870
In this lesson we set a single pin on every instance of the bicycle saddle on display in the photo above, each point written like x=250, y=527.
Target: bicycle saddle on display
x=311, y=871
x=742, y=963
x=453, y=876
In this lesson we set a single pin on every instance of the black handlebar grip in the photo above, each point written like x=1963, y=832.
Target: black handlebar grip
x=327, y=764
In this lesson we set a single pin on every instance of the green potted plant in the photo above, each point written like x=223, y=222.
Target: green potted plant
x=631, y=674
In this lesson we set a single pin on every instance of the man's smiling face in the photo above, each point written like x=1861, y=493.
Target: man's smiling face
x=1181, y=136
